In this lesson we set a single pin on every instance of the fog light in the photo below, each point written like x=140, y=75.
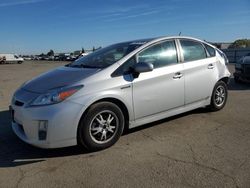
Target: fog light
x=42, y=129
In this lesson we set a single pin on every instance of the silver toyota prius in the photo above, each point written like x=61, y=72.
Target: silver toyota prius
x=91, y=100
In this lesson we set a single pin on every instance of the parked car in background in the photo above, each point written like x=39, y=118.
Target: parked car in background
x=27, y=57
x=2, y=59
x=37, y=58
x=84, y=54
x=91, y=100
x=242, y=69
x=11, y=58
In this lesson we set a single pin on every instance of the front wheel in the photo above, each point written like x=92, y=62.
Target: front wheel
x=219, y=96
x=101, y=126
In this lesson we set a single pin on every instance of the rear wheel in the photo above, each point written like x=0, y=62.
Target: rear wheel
x=101, y=126
x=19, y=62
x=219, y=96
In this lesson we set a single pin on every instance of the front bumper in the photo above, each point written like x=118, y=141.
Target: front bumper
x=63, y=119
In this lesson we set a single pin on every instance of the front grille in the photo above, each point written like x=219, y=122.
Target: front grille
x=18, y=103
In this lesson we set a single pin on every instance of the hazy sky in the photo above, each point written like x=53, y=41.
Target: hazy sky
x=35, y=26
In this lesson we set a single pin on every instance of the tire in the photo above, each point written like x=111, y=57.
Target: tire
x=104, y=118
x=219, y=96
x=19, y=62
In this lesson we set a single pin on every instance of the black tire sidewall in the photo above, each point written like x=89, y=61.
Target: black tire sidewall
x=213, y=105
x=84, y=137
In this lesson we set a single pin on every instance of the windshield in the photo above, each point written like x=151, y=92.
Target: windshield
x=106, y=56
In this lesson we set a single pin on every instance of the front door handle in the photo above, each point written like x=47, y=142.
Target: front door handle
x=210, y=66
x=177, y=75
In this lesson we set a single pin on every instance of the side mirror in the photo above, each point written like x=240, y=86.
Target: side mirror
x=143, y=67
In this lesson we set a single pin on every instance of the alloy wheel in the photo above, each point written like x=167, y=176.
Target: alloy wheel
x=103, y=126
x=220, y=95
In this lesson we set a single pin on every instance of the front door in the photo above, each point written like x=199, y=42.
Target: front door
x=163, y=88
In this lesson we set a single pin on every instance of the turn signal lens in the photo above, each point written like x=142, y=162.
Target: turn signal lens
x=65, y=94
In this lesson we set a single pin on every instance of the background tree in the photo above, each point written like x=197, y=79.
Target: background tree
x=93, y=49
x=42, y=55
x=241, y=43
x=50, y=53
x=83, y=51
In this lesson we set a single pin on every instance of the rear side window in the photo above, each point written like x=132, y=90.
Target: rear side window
x=192, y=50
x=159, y=55
x=211, y=50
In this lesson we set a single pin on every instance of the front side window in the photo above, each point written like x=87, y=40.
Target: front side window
x=159, y=55
x=125, y=68
x=192, y=50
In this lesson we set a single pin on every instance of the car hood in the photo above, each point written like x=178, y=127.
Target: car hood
x=59, y=77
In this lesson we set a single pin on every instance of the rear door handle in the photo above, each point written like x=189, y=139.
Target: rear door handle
x=210, y=66
x=177, y=75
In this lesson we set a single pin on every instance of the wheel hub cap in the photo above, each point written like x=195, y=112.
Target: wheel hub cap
x=103, y=127
x=220, y=95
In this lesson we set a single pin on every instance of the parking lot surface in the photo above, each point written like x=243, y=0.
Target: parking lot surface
x=195, y=149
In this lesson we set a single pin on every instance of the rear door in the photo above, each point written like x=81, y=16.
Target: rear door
x=199, y=70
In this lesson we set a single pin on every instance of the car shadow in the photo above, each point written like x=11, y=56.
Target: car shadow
x=165, y=120
x=15, y=152
x=233, y=86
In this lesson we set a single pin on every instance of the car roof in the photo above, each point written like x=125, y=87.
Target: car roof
x=155, y=39
x=139, y=41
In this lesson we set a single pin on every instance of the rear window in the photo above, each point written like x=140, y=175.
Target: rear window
x=192, y=50
x=211, y=50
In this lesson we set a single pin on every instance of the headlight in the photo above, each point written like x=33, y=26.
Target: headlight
x=55, y=96
x=238, y=65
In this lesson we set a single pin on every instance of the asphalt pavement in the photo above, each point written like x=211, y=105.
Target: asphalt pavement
x=194, y=149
